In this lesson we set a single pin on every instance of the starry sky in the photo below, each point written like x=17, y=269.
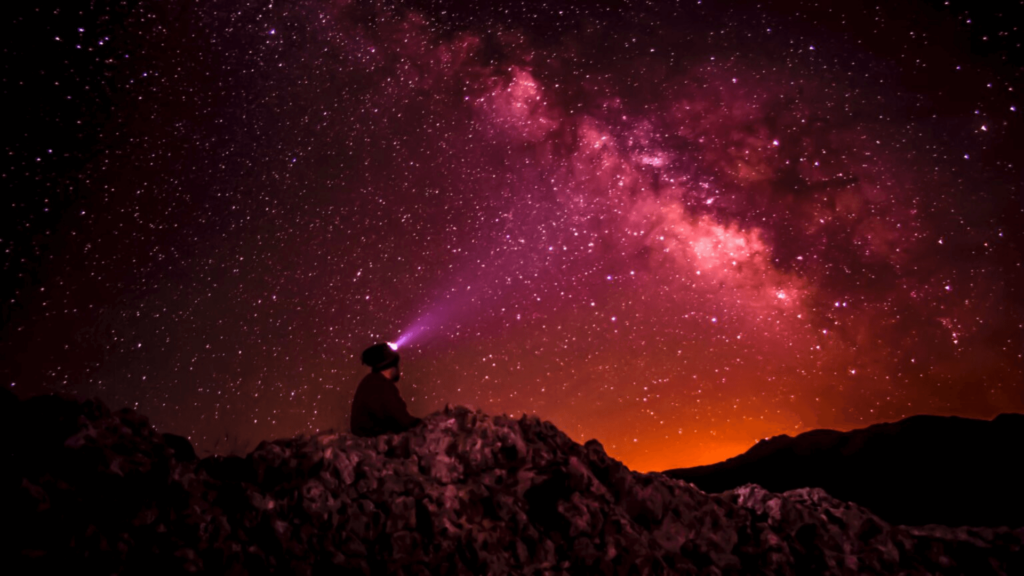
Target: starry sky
x=676, y=227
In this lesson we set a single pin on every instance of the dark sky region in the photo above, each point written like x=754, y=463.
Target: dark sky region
x=676, y=227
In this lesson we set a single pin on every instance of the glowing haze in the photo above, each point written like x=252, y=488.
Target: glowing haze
x=675, y=229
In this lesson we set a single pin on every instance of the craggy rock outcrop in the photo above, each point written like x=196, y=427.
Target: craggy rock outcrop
x=465, y=493
x=920, y=470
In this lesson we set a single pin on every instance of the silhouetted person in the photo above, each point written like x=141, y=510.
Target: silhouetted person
x=378, y=408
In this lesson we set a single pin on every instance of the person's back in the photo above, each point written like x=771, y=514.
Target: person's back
x=377, y=407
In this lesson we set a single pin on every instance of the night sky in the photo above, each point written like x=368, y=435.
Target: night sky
x=676, y=227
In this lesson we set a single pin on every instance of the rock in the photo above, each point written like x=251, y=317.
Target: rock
x=465, y=493
x=182, y=448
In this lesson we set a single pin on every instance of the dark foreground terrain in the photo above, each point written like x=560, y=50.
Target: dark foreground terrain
x=921, y=470
x=88, y=490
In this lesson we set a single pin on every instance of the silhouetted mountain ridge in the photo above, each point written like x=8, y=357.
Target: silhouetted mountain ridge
x=920, y=470
x=90, y=490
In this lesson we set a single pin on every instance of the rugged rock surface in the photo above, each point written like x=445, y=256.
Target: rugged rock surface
x=920, y=470
x=98, y=491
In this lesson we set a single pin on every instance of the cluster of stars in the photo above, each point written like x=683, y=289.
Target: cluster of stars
x=677, y=229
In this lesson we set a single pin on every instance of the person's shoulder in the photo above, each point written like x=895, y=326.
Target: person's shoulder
x=366, y=384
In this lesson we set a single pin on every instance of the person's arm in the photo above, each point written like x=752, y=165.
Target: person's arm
x=397, y=412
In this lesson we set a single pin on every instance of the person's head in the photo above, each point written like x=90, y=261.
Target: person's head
x=381, y=358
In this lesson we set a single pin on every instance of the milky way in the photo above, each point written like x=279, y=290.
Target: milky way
x=677, y=228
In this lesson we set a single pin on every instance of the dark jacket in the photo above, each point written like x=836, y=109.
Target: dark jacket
x=378, y=408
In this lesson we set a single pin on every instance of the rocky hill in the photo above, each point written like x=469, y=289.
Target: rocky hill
x=921, y=470
x=88, y=490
